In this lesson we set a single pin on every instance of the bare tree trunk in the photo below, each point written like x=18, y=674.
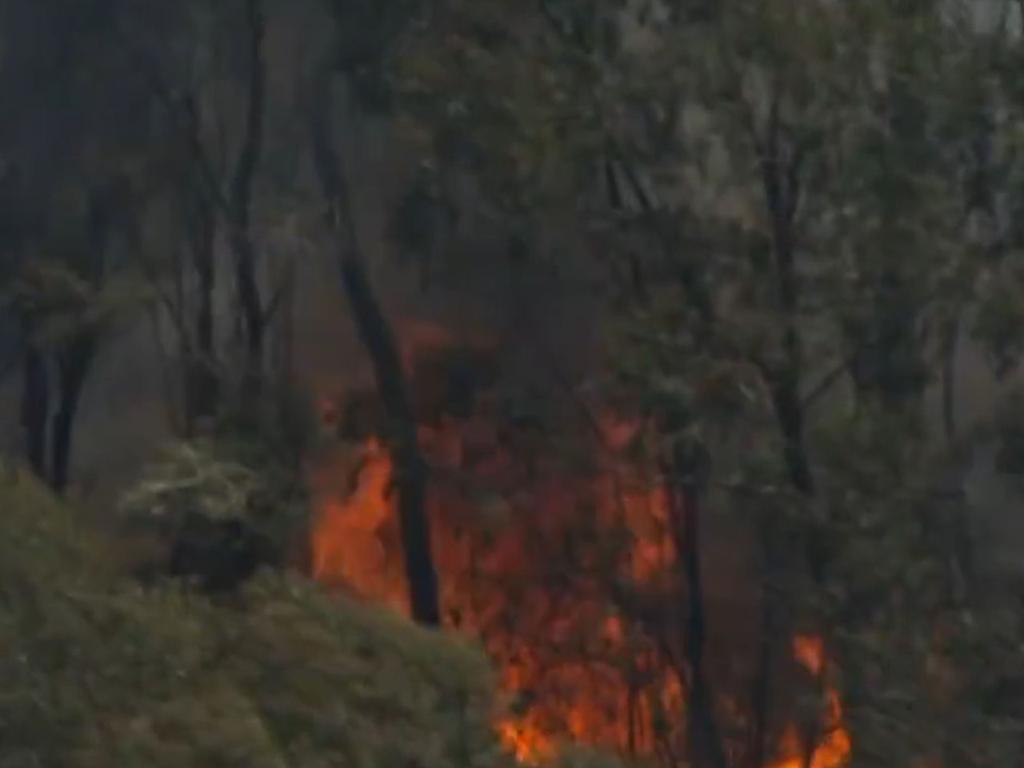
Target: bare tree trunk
x=202, y=385
x=377, y=338
x=780, y=179
x=35, y=409
x=73, y=367
x=763, y=690
x=75, y=356
x=704, y=735
x=240, y=202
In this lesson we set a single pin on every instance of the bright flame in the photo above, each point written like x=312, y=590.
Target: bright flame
x=532, y=562
x=485, y=577
x=350, y=538
x=528, y=744
x=834, y=746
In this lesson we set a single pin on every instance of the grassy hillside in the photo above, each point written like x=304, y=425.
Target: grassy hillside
x=98, y=672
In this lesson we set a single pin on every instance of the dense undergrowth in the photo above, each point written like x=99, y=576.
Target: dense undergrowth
x=96, y=670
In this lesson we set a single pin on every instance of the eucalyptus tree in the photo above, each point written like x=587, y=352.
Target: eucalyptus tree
x=75, y=151
x=787, y=197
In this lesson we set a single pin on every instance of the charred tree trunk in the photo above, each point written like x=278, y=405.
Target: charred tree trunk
x=763, y=691
x=683, y=471
x=240, y=202
x=73, y=368
x=202, y=385
x=35, y=409
x=410, y=469
x=780, y=179
x=789, y=411
x=75, y=355
x=781, y=194
x=376, y=336
x=781, y=183
x=251, y=308
x=705, y=738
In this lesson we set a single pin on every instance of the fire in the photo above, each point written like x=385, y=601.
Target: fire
x=556, y=571
x=487, y=578
x=834, y=746
x=809, y=651
x=349, y=541
x=527, y=744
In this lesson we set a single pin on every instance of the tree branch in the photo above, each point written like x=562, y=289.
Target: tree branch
x=252, y=142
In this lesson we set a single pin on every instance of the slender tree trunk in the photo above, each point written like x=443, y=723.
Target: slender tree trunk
x=376, y=336
x=705, y=738
x=251, y=308
x=780, y=178
x=202, y=385
x=35, y=409
x=73, y=367
x=75, y=356
x=789, y=412
x=949, y=356
x=781, y=189
x=240, y=203
x=763, y=690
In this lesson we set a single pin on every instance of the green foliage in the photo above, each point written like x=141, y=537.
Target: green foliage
x=485, y=80
x=999, y=323
x=252, y=476
x=583, y=757
x=874, y=145
x=926, y=672
x=831, y=186
x=98, y=672
x=57, y=302
x=193, y=478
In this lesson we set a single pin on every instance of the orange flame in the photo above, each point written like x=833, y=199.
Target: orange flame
x=355, y=544
x=834, y=747
x=809, y=651
x=508, y=553
x=526, y=743
x=349, y=543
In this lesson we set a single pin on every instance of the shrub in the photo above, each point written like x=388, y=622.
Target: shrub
x=97, y=671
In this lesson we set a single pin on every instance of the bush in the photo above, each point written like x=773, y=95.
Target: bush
x=98, y=672
x=219, y=518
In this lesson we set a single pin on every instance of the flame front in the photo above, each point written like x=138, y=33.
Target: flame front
x=537, y=565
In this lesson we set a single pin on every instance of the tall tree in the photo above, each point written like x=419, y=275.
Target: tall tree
x=349, y=56
x=799, y=176
x=63, y=282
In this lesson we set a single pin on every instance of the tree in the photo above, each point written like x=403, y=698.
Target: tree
x=65, y=279
x=217, y=111
x=794, y=178
x=346, y=57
